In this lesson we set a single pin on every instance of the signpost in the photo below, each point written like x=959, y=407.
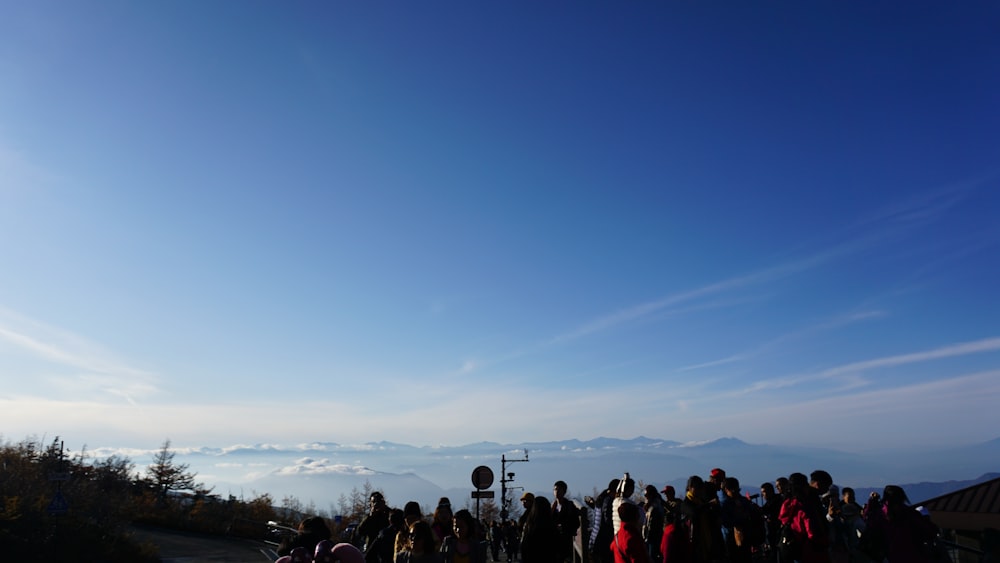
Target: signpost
x=482, y=478
x=59, y=504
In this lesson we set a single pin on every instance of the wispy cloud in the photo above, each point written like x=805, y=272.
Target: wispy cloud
x=643, y=310
x=951, y=351
x=714, y=363
x=101, y=371
x=676, y=304
x=928, y=204
x=841, y=420
x=962, y=349
x=831, y=324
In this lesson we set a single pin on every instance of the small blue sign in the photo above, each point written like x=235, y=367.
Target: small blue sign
x=58, y=504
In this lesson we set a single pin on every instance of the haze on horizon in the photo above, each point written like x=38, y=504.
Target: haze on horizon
x=252, y=223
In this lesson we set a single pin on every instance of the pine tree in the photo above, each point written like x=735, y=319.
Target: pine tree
x=167, y=476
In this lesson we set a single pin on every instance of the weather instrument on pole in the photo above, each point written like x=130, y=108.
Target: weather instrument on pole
x=507, y=477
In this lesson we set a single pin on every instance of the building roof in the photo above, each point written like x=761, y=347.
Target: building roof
x=972, y=508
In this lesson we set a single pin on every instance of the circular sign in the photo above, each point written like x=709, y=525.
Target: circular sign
x=482, y=477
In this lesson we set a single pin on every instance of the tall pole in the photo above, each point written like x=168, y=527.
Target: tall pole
x=505, y=478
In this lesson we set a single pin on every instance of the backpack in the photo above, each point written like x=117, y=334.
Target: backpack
x=752, y=531
x=789, y=548
x=823, y=536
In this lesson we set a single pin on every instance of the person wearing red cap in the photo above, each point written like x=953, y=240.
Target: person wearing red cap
x=716, y=482
x=714, y=488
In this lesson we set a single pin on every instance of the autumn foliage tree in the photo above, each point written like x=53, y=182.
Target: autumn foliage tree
x=58, y=506
x=88, y=524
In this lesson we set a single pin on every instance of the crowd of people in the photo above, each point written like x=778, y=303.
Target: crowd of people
x=796, y=519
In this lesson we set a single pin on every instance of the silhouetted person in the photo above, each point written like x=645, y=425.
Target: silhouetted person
x=311, y=531
x=567, y=519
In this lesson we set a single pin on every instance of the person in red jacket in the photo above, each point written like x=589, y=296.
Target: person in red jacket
x=628, y=545
x=808, y=529
x=675, y=544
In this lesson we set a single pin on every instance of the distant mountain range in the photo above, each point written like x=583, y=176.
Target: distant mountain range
x=321, y=472
x=921, y=492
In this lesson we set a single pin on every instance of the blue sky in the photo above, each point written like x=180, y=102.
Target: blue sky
x=439, y=223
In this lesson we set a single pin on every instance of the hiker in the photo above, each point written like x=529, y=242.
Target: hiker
x=628, y=546
x=652, y=529
x=464, y=544
x=420, y=547
x=807, y=533
x=540, y=539
x=374, y=522
x=311, y=531
x=566, y=516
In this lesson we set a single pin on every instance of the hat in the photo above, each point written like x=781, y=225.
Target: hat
x=668, y=490
x=528, y=496
x=717, y=473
